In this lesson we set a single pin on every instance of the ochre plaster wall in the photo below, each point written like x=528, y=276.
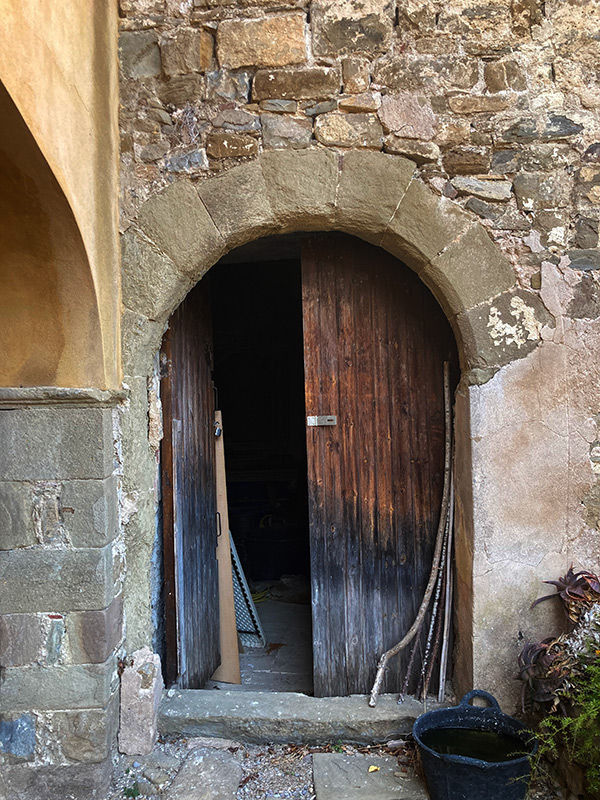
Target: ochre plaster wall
x=58, y=62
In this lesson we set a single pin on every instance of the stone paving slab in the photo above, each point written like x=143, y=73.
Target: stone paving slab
x=346, y=777
x=285, y=717
x=206, y=775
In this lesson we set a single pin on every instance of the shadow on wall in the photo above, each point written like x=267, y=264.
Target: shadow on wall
x=49, y=326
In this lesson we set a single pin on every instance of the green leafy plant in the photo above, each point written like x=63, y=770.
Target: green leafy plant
x=561, y=680
x=132, y=791
x=579, y=730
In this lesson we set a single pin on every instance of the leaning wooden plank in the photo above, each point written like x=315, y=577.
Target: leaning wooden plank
x=229, y=669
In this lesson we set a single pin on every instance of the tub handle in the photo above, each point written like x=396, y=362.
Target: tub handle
x=466, y=701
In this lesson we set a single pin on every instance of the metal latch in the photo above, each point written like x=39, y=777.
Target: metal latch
x=329, y=419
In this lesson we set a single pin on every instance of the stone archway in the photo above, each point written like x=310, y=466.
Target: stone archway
x=181, y=232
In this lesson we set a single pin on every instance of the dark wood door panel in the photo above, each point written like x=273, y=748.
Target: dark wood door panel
x=375, y=341
x=188, y=489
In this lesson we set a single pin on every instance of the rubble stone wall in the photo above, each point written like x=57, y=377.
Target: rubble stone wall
x=496, y=104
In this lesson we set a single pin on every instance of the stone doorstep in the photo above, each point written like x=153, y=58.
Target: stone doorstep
x=285, y=717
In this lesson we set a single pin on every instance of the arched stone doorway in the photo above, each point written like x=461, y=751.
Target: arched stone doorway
x=349, y=502
x=185, y=229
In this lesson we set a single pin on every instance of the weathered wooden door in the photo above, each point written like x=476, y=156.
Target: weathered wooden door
x=190, y=525
x=374, y=345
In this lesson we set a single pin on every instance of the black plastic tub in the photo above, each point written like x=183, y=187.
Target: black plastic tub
x=461, y=777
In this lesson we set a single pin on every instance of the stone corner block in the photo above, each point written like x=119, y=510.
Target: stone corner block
x=90, y=511
x=502, y=330
x=301, y=186
x=16, y=516
x=150, y=280
x=60, y=687
x=52, y=580
x=93, y=635
x=470, y=271
x=49, y=443
x=371, y=186
x=74, y=782
x=179, y=224
x=87, y=735
x=238, y=204
x=423, y=225
x=141, y=691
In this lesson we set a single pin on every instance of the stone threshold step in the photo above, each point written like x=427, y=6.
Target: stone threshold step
x=285, y=717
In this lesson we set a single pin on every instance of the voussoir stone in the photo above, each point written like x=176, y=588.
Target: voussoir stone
x=423, y=225
x=337, y=129
x=149, y=278
x=238, y=204
x=300, y=187
x=266, y=42
x=503, y=329
x=381, y=178
x=310, y=83
x=469, y=271
x=344, y=26
x=407, y=115
x=180, y=225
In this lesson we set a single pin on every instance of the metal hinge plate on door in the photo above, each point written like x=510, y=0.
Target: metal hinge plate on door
x=314, y=422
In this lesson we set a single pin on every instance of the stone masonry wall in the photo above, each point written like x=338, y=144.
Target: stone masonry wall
x=498, y=104
x=60, y=598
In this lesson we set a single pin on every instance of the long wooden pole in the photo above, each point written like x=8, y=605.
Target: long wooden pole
x=415, y=627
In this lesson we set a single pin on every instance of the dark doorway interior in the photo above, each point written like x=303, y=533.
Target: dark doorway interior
x=259, y=379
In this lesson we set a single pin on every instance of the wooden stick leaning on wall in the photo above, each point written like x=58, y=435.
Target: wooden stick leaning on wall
x=416, y=626
x=229, y=669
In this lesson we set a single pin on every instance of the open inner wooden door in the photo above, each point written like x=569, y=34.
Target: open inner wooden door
x=374, y=345
x=188, y=495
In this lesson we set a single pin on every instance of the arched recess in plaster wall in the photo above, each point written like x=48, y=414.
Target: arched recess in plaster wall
x=50, y=329
x=182, y=231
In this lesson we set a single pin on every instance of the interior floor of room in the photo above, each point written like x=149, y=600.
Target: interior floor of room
x=285, y=664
